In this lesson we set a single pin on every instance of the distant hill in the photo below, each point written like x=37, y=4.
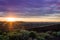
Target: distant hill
x=35, y=26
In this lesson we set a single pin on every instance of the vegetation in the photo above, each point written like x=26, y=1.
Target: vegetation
x=29, y=35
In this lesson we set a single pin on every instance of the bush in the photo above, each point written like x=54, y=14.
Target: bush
x=25, y=35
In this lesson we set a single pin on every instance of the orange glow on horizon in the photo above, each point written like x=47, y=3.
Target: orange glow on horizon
x=14, y=19
x=10, y=19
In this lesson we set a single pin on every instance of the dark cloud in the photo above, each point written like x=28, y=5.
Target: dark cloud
x=30, y=7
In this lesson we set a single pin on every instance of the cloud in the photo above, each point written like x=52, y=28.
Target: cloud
x=55, y=16
x=2, y=14
x=30, y=7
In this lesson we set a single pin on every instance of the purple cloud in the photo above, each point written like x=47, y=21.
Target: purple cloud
x=30, y=7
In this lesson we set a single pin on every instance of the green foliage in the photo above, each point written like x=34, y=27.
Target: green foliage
x=25, y=35
x=58, y=33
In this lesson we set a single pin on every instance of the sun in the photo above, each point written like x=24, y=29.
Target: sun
x=10, y=19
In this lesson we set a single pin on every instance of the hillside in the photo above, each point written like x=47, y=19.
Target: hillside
x=35, y=26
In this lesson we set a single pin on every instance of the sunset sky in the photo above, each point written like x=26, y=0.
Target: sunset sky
x=31, y=10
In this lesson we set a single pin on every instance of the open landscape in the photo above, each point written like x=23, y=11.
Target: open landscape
x=29, y=30
x=29, y=19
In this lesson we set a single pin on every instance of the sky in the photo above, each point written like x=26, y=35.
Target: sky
x=31, y=9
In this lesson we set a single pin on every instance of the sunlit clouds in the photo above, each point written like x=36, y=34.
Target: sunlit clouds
x=30, y=10
x=45, y=18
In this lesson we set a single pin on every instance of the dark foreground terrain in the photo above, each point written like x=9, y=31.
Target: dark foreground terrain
x=30, y=31
x=29, y=35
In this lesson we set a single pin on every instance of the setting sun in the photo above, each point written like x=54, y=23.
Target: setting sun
x=10, y=19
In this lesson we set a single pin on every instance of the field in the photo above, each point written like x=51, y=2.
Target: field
x=29, y=31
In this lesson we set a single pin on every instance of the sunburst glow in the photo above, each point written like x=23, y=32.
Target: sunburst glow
x=10, y=19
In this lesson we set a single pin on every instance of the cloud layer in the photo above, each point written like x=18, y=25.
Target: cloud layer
x=30, y=7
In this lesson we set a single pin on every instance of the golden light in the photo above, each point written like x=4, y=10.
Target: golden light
x=10, y=19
